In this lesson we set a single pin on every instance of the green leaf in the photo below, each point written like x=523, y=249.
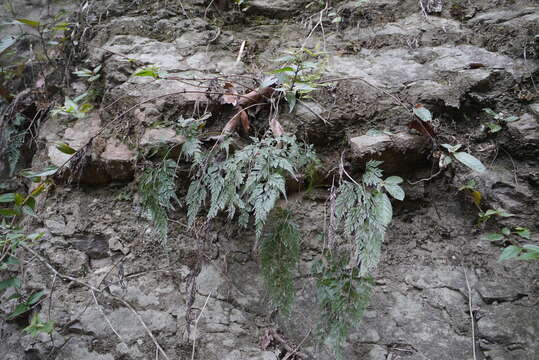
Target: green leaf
x=452, y=148
x=19, y=199
x=510, y=119
x=531, y=247
x=35, y=236
x=7, y=198
x=470, y=161
x=445, y=161
x=32, y=23
x=8, y=212
x=529, y=256
x=49, y=170
x=383, y=208
x=423, y=113
x=34, y=298
x=506, y=231
x=304, y=87
x=149, y=71
x=374, y=132
x=395, y=190
x=509, y=253
x=489, y=112
x=12, y=260
x=493, y=237
x=291, y=99
x=19, y=309
x=523, y=232
x=493, y=127
x=503, y=213
x=66, y=149
x=286, y=69
x=11, y=282
x=393, y=180
x=28, y=211
x=6, y=43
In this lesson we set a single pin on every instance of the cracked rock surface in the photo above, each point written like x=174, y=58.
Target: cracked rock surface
x=95, y=228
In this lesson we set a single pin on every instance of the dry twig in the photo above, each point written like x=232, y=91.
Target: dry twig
x=471, y=311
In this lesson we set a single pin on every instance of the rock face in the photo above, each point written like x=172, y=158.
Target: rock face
x=204, y=295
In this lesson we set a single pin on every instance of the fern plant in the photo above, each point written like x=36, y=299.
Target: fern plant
x=343, y=296
x=246, y=183
x=279, y=254
x=365, y=211
x=362, y=211
x=158, y=190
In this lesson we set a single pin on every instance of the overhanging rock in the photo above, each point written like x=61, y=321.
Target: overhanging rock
x=400, y=153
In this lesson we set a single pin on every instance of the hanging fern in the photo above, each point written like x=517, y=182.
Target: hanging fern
x=343, y=296
x=365, y=211
x=279, y=256
x=362, y=211
x=248, y=182
x=158, y=190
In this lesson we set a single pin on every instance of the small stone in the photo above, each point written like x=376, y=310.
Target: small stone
x=535, y=108
x=116, y=245
x=163, y=136
x=526, y=129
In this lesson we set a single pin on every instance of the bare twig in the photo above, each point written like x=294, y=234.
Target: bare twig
x=471, y=311
x=287, y=346
x=105, y=316
x=292, y=353
x=196, y=325
x=313, y=112
x=426, y=179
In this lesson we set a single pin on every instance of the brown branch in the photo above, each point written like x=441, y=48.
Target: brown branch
x=287, y=347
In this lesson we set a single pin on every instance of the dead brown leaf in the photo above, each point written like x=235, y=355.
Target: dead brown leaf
x=230, y=96
x=276, y=127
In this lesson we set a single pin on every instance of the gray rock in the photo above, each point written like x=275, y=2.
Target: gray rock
x=94, y=245
x=400, y=153
x=72, y=261
x=525, y=130
x=105, y=161
x=275, y=8
x=508, y=323
x=57, y=226
x=535, y=109
x=163, y=136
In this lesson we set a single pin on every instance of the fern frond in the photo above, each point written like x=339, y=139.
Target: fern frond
x=249, y=181
x=363, y=212
x=158, y=190
x=343, y=296
x=279, y=254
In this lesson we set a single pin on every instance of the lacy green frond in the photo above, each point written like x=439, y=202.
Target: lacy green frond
x=14, y=139
x=248, y=182
x=158, y=190
x=343, y=296
x=362, y=211
x=279, y=254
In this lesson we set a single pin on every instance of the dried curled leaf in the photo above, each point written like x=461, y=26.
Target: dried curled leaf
x=276, y=127
x=422, y=121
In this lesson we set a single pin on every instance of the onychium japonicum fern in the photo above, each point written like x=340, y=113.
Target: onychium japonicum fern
x=247, y=183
